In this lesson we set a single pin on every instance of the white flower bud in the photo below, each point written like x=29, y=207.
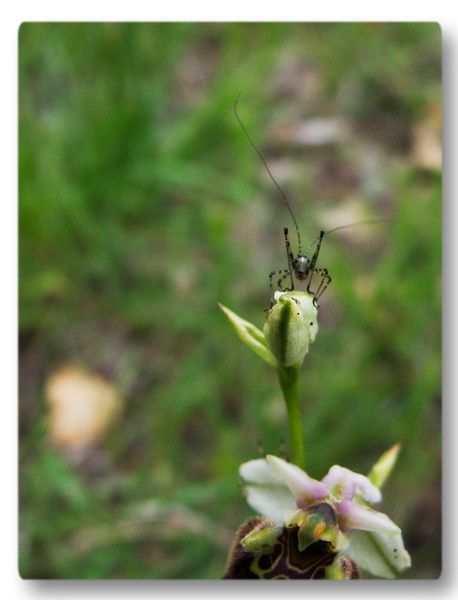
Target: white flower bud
x=291, y=326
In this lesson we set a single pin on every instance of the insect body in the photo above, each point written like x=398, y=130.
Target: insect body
x=303, y=268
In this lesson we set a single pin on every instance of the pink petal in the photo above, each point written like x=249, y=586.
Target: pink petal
x=306, y=490
x=351, y=515
x=343, y=484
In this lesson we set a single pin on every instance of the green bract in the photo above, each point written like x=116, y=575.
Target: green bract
x=291, y=327
x=383, y=467
x=251, y=336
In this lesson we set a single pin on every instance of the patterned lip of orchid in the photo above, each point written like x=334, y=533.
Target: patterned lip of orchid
x=277, y=489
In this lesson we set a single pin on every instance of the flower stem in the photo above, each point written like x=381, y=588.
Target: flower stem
x=288, y=383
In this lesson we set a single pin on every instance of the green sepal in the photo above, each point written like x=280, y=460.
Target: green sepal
x=381, y=554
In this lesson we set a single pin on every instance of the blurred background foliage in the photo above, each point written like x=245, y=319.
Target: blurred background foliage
x=142, y=205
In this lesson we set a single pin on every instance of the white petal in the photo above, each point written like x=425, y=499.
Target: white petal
x=306, y=490
x=266, y=492
x=343, y=484
x=351, y=515
x=383, y=555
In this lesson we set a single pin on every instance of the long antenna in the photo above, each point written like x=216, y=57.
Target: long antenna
x=268, y=171
x=366, y=222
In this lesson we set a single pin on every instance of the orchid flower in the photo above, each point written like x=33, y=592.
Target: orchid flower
x=310, y=529
x=333, y=511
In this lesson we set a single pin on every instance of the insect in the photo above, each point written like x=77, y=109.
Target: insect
x=301, y=267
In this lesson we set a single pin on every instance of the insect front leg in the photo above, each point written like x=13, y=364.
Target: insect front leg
x=289, y=256
x=285, y=272
x=288, y=271
x=279, y=282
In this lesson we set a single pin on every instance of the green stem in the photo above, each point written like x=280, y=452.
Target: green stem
x=288, y=383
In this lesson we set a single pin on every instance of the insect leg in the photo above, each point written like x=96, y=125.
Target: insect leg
x=314, y=259
x=289, y=256
x=325, y=281
x=286, y=273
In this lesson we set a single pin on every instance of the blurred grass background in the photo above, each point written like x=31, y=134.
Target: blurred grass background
x=142, y=205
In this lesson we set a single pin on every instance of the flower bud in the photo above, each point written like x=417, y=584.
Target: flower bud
x=291, y=326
